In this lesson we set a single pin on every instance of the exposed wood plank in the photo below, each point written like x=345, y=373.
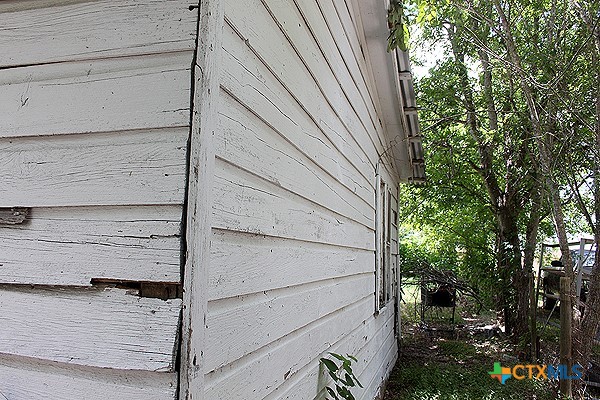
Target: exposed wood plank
x=109, y=169
x=96, y=96
x=272, y=365
x=247, y=203
x=199, y=212
x=361, y=341
x=108, y=328
x=240, y=326
x=30, y=379
x=246, y=78
x=253, y=25
x=70, y=246
x=267, y=263
x=95, y=29
x=248, y=142
x=13, y=215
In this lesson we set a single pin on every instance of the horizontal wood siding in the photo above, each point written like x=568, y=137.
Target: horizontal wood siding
x=292, y=258
x=117, y=168
x=110, y=328
x=94, y=128
x=56, y=246
x=30, y=378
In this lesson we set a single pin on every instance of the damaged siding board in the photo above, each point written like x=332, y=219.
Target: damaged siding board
x=78, y=30
x=24, y=378
x=267, y=263
x=232, y=323
x=108, y=328
x=248, y=203
x=56, y=246
x=146, y=167
x=118, y=94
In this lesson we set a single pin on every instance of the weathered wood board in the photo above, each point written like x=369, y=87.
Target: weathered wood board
x=371, y=342
x=76, y=30
x=247, y=203
x=96, y=96
x=109, y=328
x=23, y=378
x=134, y=167
x=57, y=246
x=250, y=83
x=267, y=263
x=253, y=145
x=287, y=356
x=291, y=62
x=241, y=325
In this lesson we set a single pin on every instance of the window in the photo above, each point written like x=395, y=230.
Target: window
x=384, y=215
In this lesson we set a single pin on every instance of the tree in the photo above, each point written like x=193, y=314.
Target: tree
x=487, y=152
x=515, y=102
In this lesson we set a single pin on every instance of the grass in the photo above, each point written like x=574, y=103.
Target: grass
x=459, y=382
x=455, y=367
x=432, y=369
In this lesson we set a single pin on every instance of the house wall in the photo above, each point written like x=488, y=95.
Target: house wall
x=94, y=123
x=293, y=241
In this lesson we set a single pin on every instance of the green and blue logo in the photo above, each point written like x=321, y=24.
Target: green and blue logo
x=535, y=371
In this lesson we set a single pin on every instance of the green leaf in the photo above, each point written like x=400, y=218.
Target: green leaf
x=331, y=366
x=339, y=357
x=332, y=393
x=348, y=381
x=351, y=357
x=344, y=392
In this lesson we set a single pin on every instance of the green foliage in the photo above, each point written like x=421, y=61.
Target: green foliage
x=340, y=370
x=437, y=380
x=399, y=34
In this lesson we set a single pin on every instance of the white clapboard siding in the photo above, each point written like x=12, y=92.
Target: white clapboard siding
x=247, y=79
x=93, y=29
x=132, y=167
x=109, y=328
x=240, y=326
x=255, y=378
x=313, y=41
x=285, y=57
x=243, y=263
x=377, y=371
x=247, y=203
x=55, y=246
x=30, y=379
x=342, y=31
x=363, y=338
x=248, y=142
x=278, y=55
x=96, y=96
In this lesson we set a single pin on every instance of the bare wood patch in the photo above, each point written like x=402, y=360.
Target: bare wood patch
x=13, y=215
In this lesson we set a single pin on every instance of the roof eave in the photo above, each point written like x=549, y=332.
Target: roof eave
x=393, y=83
